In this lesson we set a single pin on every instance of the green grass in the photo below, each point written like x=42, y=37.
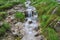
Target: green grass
x=4, y=27
x=20, y=16
x=4, y=4
x=50, y=34
x=45, y=9
x=3, y=15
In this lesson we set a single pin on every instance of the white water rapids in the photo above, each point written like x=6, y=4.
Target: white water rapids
x=30, y=23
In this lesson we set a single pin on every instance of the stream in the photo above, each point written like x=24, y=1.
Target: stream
x=31, y=23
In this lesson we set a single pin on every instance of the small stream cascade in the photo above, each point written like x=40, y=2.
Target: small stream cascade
x=31, y=23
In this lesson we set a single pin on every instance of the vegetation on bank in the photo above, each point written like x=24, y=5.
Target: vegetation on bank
x=47, y=16
x=3, y=15
x=50, y=34
x=7, y=4
x=4, y=28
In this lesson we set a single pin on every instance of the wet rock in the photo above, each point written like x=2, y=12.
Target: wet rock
x=9, y=38
x=22, y=10
x=15, y=32
x=58, y=1
x=22, y=32
x=57, y=27
x=16, y=8
x=20, y=5
x=16, y=29
x=10, y=18
x=19, y=25
x=41, y=37
x=37, y=35
x=19, y=8
x=1, y=23
x=11, y=11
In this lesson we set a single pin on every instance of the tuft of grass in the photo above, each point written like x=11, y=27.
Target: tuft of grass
x=20, y=16
x=50, y=34
x=4, y=27
x=3, y=15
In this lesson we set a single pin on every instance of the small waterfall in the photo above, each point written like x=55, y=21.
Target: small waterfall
x=29, y=11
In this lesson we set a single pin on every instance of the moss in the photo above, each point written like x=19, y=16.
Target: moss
x=20, y=16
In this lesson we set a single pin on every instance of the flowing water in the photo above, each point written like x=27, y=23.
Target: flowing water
x=31, y=23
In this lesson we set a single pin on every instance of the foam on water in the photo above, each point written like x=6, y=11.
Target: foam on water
x=31, y=22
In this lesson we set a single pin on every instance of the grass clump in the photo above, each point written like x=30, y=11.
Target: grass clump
x=4, y=27
x=20, y=16
x=45, y=10
x=3, y=15
x=50, y=34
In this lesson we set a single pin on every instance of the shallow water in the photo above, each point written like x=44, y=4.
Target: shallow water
x=29, y=28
